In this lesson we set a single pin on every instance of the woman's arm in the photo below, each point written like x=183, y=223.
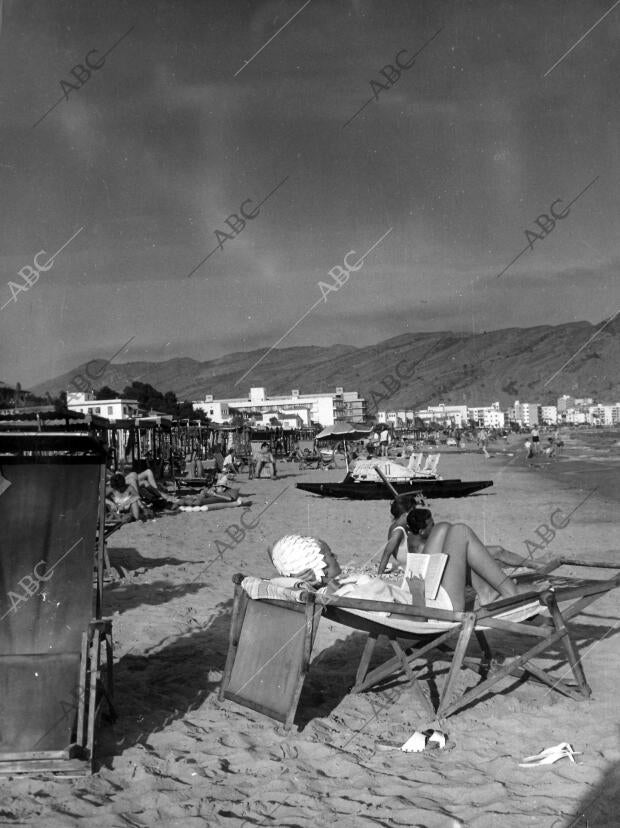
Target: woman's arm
x=391, y=547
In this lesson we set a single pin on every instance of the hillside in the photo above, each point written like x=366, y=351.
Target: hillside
x=453, y=368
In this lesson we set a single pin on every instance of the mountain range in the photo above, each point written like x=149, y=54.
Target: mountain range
x=530, y=364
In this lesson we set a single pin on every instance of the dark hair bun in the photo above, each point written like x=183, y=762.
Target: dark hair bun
x=417, y=519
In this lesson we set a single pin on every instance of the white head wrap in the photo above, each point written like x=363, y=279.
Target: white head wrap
x=293, y=554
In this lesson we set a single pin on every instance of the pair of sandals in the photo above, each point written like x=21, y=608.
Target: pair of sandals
x=550, y=755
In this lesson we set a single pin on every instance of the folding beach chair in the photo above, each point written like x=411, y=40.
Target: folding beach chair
x=55, y=648
x=430, y=467
x=414, y=632
x=415, y=462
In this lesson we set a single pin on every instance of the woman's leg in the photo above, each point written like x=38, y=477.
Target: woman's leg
x=148, y=477
x=468, y=555
x=131, y=478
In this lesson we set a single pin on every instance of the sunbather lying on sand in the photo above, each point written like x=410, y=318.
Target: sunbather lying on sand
x=311, y=560
x=221, y=492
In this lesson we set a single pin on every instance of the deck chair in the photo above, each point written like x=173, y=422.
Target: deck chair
x=430, y=467
x=269, y=652
x=415, y=632
x=55, y=648
x=415, y=462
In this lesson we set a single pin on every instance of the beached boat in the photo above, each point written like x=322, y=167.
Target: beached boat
x=371, y=490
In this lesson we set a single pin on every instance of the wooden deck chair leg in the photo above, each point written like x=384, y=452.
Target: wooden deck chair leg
x=94, y=656
x=388, y=667
x=240, y=605
x=457, y=660
x=109, y=650
x=511, y=668
x=80, y=736
x=105, y=674
x=567, y=643
x=362, y=669
x=400, y=654
x=307, y=652
x=487, y=655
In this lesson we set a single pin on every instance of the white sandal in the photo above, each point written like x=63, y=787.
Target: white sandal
x=550, y=755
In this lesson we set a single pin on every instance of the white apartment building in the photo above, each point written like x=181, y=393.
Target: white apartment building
x=397, y=418
x=286, y=419
x=488, y=416
x=574, y=417
x=604, y=414
x=325, y=409
x=526, y=414
x=217, y=411
x=85, y=403
x=549, y=414
x=448, y=415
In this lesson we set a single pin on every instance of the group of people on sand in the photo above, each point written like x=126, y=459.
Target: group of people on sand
x=132, y=495
x=470, y=564
x=534, y=447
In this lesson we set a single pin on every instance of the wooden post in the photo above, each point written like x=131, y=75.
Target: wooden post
x=101, y=548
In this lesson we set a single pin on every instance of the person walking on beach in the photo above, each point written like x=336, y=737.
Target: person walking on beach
x=535, y=435
x=483, y=439
x=384, y=439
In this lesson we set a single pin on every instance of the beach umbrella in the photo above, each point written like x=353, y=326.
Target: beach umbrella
x=345, y=431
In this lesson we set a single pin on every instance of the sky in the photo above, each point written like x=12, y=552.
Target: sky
x=201, y=110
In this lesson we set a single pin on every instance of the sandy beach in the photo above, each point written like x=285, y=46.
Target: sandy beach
x=178, y=757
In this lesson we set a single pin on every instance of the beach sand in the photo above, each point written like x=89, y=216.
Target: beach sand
x=178, y=757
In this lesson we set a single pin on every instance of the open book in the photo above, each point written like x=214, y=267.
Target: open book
x=428, y=567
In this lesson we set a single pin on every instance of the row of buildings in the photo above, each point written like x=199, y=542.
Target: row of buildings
x=568, y=411
x=298, y=411
x=291, y=411
x=294, y=410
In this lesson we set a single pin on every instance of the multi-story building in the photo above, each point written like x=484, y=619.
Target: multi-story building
x=447, y=415
x=326, y=409
x=525, y=414
x=85, y=403
x=574, y=417
x=489, y=416
x=398, y=418
x=604, y=414
x=549, y=414
x=565, y=402
x=216, y=410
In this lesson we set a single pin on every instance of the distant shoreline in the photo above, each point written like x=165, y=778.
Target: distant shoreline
x=590, y=460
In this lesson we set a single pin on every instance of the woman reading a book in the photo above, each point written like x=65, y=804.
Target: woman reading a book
x=469, y=561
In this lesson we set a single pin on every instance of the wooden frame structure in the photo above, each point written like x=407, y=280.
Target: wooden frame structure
x=56, y=651
x=267, y=675
x=414, y=632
